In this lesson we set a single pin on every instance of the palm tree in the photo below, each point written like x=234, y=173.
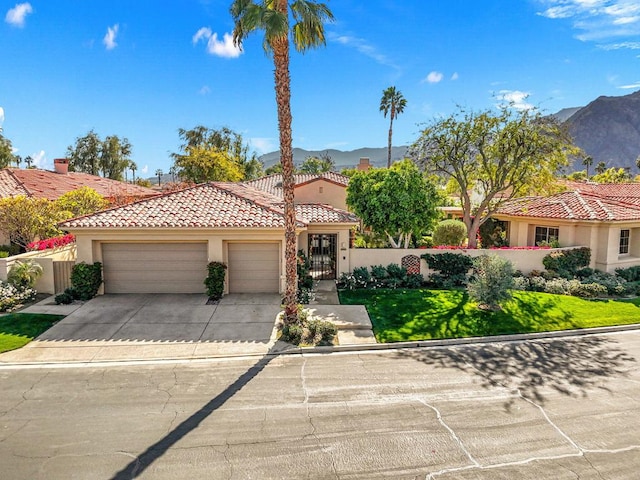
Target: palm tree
x=159, y=174
x=587, y=162
x=601, y=167
x=28, y=160
x=307, y=31
x=392, y=103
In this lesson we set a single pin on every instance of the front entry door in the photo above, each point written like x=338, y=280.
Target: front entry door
x=322, y=255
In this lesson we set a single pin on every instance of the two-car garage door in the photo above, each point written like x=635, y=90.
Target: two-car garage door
x=182, y=267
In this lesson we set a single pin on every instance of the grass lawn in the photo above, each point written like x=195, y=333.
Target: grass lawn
x=403, y=315
x=18, y=329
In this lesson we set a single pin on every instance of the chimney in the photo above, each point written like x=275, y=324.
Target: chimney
x=364, y=164
x=61, y=165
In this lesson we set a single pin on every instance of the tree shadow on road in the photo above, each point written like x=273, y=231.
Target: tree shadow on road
x=158, y=449
x=569, y=366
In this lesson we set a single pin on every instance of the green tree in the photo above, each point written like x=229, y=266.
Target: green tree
x=601, y=167
x=497, y=156
x=612, y=175
x=392, y=104
x=578, y=176
x=214, y=155
x=317, y=165
x=83, y=201
x=26, y=219
x=275, y=168
x=587, y=161
x=307, y=31
x=84, y=156
x=396, y=201
x=115, y=158
x=6, y=152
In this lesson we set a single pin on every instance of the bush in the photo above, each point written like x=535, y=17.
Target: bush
x=86, y=280
x=24, y=274
x=321, y=331
x=449, y=232
x=414, y=280
x=558, y=286
x=215, y=280
x=379, y=274
x=537, y=284
x=567, y=262
x=615, y=285
x=630, y=274
x=4, y=254
x=65, y=297
x=12, y=296
x=491, y=282
x=521, y=282
x=292, y=333
x=586, y=290
x=452, y=268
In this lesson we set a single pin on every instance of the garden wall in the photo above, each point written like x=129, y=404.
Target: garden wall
x=46, y=258
x=523, y=260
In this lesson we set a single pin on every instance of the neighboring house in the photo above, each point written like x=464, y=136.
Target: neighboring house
x=603, y=217
x=53, y=184
x=163, y=244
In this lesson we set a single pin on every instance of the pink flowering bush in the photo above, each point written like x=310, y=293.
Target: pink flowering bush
x=54, y=242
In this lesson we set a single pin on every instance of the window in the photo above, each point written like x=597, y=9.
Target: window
x=546, y=235
x=624, y=241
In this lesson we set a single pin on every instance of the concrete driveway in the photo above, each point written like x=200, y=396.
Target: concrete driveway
x=155, y=326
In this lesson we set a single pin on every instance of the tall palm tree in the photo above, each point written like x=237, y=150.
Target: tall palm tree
x=601, y=167
x=159, y=174
x=392, y=103
x=307, y=31
x=587, y=162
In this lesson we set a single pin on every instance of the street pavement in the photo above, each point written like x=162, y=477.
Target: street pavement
x=542, y=409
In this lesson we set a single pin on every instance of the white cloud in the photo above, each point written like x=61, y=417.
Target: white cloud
x=596, y=20
x=144, y=170
x=1, y=116
x=220, y=48
x=205, y=90
x=514, y=98
x=16, y=16
x=619, y=46
x=39, y=159
x=363, y=47
x=455, y=76
x=263, y=145
x=109, y=39
x=434, y=77
x=631, y=86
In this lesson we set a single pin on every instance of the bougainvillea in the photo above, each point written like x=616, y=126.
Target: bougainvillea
x=52, y=242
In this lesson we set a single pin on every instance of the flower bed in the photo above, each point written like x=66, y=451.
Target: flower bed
x=12, y=297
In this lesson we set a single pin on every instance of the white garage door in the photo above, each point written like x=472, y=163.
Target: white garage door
x=254, y=267
x=154, y=267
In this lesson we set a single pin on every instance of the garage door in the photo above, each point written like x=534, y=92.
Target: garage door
x=254, y=267
x=154, y=267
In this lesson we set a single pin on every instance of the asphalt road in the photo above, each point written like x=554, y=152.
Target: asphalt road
x=561, y=409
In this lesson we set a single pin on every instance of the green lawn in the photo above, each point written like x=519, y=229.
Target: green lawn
x=18, y=329
x=403, y=315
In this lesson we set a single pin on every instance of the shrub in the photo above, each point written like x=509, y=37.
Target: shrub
x=492, y=235
x=24, y=274
x=558, y=286
x=491, y=282
x=414, y=280
x=11, y=249
x=86, y=280
x=379, y=273
x=615, y=285
x=292, y=333
x=65, y=297
x=12, y=296
x=630, y=274
x=321, y=331
x=452, y=268
x=449, y=232
x=586, y=290
x=396, y=276
x=567, y=262
x=521, y=282
x=215, y=280
x=4, y=254
x=585, y=272
x=537, y=284
x=54, y=242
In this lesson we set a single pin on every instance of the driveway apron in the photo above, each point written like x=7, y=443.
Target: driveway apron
x=153, y=327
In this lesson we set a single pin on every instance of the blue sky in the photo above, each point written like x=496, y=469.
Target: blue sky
x=142, y=69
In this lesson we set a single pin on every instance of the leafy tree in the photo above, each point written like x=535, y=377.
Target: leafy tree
x=214, y=155
x=496, y=155
x=579, y=176
x=83, y=201
x=26, y=219
x=317, y=165
x=275, y=168
x=6, y=152
x=397, y=201
x=612, y=175
x=392, y=103
x=109, y=158
x=307, y=31
x=587, y=161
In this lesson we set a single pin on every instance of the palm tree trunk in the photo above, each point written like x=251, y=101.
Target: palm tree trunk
x=283, y=99
x=390, y=135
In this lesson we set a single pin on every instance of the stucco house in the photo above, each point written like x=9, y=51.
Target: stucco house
x=163, y=244
x=603, y=217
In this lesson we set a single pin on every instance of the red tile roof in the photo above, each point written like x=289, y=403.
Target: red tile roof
x=572, y=205
x=209, y=205
x=51, y=185
x=273, y=183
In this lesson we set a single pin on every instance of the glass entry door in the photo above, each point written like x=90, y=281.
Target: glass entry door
x=322, y=255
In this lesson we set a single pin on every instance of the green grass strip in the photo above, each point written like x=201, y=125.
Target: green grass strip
x=18, y=329
x=406, y=315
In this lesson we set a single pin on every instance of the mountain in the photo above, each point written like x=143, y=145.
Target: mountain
x=608, y=130
x=566, y=113
x=348, y=159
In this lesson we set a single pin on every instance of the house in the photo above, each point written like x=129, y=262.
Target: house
x=53, y=184
x=162, y=244
x=603, y=217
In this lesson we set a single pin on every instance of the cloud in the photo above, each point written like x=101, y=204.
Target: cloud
x=1, y=116
x=109, y=39
x=514, y=98
x=620, y=46
x=220, y=48
x=433, y=77
x=455, y=76
x=205, y=90
x=363, y=47
x=144, y=170
x=262, y=145
x=16, y=16
x=596, y=20
x=39, y=159
x=629, y=87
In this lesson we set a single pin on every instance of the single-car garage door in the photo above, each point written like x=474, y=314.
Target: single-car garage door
x=254, y=267
x=154, y=267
